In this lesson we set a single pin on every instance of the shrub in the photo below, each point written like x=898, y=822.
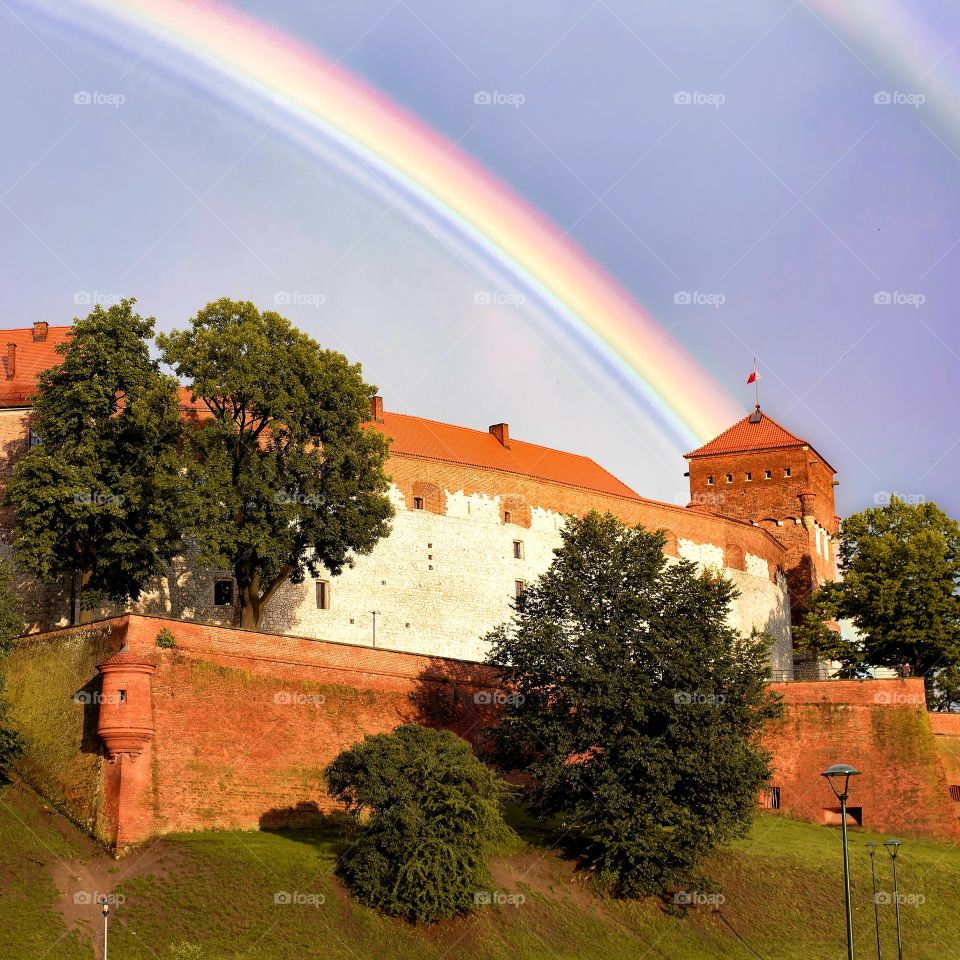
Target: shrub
x=431, y=814
x=165, y=639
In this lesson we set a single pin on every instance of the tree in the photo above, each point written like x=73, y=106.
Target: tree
x=634, y=706
x=12, y=743
x=98, y=497
x=432, y=816
x=900, y=565
x=288, y=480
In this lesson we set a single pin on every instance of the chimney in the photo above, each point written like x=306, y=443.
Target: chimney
x=11, y=360
x=502, y=432
x=376, y=409
x=40, y=331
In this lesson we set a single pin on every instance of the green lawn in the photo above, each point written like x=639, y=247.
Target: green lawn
x=776, y=895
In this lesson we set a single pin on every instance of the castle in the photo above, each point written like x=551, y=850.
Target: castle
x=478, y=515
x=233, y=727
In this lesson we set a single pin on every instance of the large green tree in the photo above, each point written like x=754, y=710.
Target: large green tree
x=98, y=498
x=900, y=567
x=11, y=626
x=288, y=481
x=430, y=813
x=634, y=707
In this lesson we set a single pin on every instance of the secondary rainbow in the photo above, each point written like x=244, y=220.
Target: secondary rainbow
x=581, y=297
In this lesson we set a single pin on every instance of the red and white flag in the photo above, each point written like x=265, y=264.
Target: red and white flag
x=754, y=377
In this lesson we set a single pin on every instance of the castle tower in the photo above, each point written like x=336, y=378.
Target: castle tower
x=759, y=471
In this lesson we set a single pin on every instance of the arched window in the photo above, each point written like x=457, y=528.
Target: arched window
x=734, y=558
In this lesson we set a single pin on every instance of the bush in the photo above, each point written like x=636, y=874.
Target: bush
x=431, y=813
x=165, y=639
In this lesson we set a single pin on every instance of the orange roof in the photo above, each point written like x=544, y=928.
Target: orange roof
x=28, y=358
x=416, y=437
x=756, y=431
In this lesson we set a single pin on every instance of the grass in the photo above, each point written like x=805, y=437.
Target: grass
x=781, y=898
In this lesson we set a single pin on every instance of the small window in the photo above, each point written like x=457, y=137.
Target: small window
x=418, y=503
x=748, y=476
x=519, y=586
x=710, y=481
x=774, y=798
x=767, y=474
x=955, y=792
x=517, y=549
x=123, y=696
x=729, y=478
x=223, y=593
x=506, y=516
x=786, y=472
x=323, y=595
x=35, y=440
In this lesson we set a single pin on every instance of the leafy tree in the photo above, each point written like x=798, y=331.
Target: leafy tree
x=98, y=498
x=288, y=480
x=11, y=626
x=432, y=815
x=635, y=708
x=900, y=565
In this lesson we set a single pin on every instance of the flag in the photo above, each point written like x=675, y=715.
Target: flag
x=754, y=377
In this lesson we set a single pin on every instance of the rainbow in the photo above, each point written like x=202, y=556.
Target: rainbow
x=581, y=299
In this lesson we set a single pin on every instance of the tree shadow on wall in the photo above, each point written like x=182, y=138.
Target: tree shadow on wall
x=462, y=697
x=87, y=698
x=328, y=832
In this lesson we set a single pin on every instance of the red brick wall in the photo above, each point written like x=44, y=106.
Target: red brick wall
x=883, y=729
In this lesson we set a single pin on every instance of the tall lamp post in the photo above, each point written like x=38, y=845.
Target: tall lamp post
x=838, y=776
x=106, y=914
x=893, y=847
x=872, y=847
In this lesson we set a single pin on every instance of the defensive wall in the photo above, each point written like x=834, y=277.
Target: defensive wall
x=232, y=729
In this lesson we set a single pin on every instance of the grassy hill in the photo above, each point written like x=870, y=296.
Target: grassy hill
x=211, y=896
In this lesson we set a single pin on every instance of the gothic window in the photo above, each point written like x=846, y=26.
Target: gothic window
x=223, y=593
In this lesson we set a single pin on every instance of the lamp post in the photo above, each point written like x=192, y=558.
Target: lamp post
x=893, y=848
x=374, y=614
x=838, y=776
x=106, y=914
x=872, y=847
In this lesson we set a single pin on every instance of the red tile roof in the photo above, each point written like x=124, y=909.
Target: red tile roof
x=745, y=436
x=416, y=437
x=30, y=358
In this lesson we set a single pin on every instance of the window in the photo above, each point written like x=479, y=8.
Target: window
x=223, y=593
x=786, y=472
x=35, y=440
x=123, y=696
x=709, y=481
x=323, y=595
x=749, y=476
x=770, y=798
x=518, y=586
x=767, y=474
x=517, y=549
x=506, y=516
x=955, y=792
x=418, y=503
x=729, y=478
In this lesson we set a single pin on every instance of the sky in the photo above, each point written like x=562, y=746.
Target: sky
x=773, y=180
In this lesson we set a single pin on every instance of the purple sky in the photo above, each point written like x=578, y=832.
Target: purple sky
x=797, y=201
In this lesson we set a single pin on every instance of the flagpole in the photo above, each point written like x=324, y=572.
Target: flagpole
x=756, y=383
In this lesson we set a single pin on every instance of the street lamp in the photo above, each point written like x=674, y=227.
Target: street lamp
x=872, y=847
x=838, y=776
x=893, y=848
x=106, y=914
